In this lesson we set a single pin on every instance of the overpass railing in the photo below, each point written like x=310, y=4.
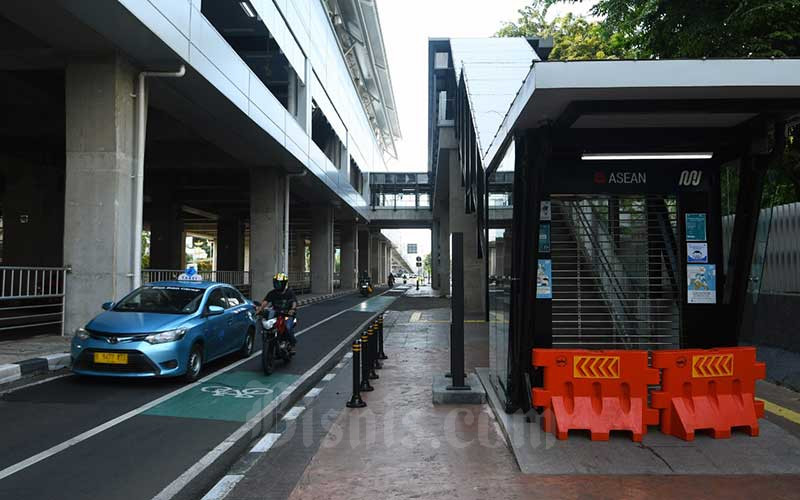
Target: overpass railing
x=32, y=300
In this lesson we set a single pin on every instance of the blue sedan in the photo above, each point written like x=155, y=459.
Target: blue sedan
x=166, y=329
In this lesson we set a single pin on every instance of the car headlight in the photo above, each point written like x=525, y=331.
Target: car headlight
x=269, y=323
x=168, y=336
x=81, y=334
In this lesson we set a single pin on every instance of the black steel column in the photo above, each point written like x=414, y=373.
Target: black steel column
x=457, y=307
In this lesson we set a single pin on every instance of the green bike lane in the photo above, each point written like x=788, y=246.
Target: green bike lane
x=140, y=456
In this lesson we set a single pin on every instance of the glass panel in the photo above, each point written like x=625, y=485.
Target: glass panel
x=500, y=243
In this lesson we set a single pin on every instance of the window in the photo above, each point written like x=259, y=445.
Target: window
x=412, y=248
x=325, y=137
x=250, y=38
x=233, y=297
x=162, y=299
x=217, y=298
x=356, y=177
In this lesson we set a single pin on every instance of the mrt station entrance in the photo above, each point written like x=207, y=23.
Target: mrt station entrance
x=623, y=250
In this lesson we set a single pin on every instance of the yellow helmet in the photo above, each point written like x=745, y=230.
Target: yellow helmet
x=280, y=281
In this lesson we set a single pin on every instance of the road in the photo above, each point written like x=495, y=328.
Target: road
x=77, y=437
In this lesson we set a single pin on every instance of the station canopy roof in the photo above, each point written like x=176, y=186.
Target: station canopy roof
x=493, y=69
x=712, y=93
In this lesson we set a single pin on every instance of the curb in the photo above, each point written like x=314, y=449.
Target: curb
x=312, y=300
x=13, y=372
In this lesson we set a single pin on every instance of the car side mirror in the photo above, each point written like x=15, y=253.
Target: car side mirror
x=214, y=311
x=107, y=306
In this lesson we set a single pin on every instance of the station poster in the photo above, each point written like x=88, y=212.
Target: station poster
x=545, y=211
x=544, y=237
x=701, y=282
x=696, y=227
x=544, y=279
x=697, y=253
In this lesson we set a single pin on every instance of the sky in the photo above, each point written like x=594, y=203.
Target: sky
x=407, y=25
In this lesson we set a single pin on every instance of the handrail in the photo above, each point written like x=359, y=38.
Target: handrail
x=617, y=302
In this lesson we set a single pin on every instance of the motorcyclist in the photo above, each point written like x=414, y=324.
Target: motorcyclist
x=283, y=301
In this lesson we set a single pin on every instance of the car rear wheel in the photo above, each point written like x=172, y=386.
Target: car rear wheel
x=249, y=341
x=194, y=364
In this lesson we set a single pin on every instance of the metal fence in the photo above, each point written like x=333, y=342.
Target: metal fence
x=782, y=260
x=32, y=300
x=239, y=279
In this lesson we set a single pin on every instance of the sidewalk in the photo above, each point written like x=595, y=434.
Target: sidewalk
x=402, y=446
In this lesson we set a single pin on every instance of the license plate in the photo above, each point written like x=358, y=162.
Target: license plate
x=111, y=358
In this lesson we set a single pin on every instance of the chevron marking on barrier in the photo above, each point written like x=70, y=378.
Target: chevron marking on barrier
x=712, y=365
x=596, y=367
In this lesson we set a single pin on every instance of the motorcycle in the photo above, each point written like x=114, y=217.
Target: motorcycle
x=365, y=287
x=275, y=341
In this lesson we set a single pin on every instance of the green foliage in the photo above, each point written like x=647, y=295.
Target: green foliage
x=426, y=265
x=574, y=37
x=145, y=249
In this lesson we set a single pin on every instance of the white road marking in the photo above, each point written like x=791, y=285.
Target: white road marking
x=13, y=469
x=348, y=355
x=38, y=382
x=265, y=443
x=328, y=377
x=195, y=470
x=294, y=413
x=313, y=392
x=223, y=487
x=415, y=317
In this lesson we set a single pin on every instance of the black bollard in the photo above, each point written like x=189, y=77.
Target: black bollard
x=381, y=354
x=372, y=351
x=355, y=399
x=365, y=385
x=376, y=347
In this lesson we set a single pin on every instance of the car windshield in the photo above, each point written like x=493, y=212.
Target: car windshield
x=162, y=299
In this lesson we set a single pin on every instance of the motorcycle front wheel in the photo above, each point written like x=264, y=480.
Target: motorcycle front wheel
x=268, y=357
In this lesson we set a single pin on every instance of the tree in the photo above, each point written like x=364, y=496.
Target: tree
x=574, y=37
x=426, y=265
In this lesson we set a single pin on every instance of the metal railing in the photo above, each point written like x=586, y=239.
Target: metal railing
x=781, y=273
x=32, y=300
x=235, y=278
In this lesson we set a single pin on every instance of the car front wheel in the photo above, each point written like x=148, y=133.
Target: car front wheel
x=195, y=363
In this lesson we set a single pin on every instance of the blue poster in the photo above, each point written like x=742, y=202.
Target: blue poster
x=696, y=227
x=544, y=279
x=544, y=238
x=697, y=253
x=701, y=282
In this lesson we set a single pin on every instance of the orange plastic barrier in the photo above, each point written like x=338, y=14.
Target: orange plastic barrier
x=598, y=391
x=708, y=390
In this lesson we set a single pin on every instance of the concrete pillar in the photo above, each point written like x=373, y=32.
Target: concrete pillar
x=474, y=270
x=349, y=256
x=98, y=213
x=322, y=250
x=387, y=268
x=443, y=254
x=374, y=257
x=297, y=257
x=434, y=258
x=267, y=207
x=363, y=252
x=167, y=242
x=230, y=244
